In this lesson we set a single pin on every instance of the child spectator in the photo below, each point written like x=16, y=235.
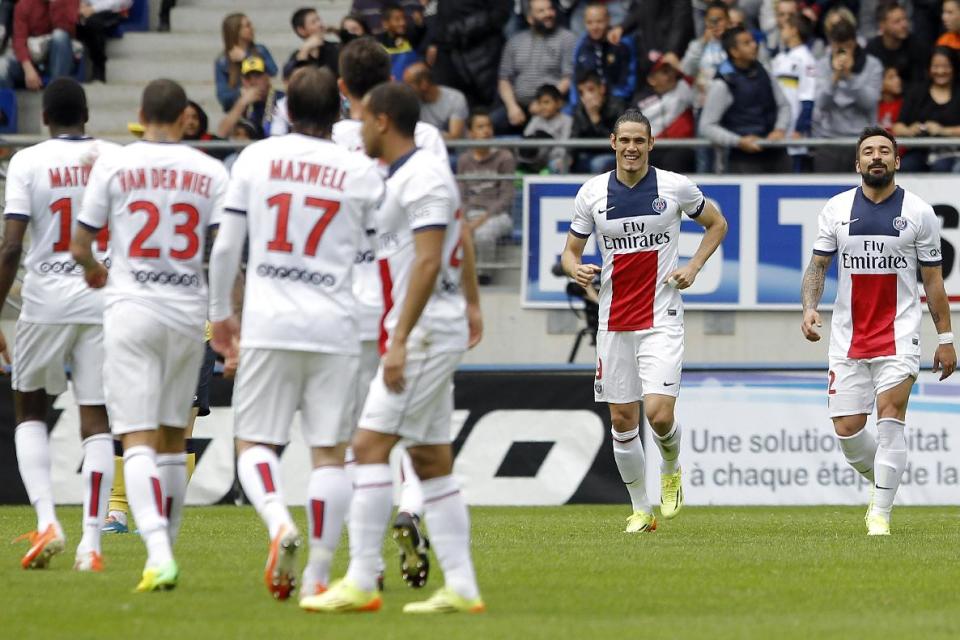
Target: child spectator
x=595, y=116
x=394, y=39
x=314, y=50
x=549, y=123
x=891, y=99
x=951, y=22
x=796, y=71
x=614, y=63
x=238, y=45
x=351, y=28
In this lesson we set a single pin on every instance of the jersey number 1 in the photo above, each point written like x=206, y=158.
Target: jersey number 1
x=282, y=202
x=64, y=208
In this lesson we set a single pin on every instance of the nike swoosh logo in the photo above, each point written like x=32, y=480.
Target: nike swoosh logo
x=607, y=209
x=846, y=222
x=669, y=384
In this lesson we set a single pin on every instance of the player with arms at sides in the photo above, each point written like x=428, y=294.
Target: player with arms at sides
x=364, y=64
x=431, y=318
x=158, y=198
x=635, y=212
x=305, y=205
x=60, y=323
x=880, y=234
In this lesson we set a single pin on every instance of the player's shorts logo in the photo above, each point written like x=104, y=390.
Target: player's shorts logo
x=659, y=205
x=598, y=387
x=899, y=223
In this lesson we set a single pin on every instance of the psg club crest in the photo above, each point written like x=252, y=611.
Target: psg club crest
x=899, y=223
x=659, y=205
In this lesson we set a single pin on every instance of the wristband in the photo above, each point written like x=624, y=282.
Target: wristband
x=945, y=338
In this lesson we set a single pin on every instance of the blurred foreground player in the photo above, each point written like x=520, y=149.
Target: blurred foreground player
x=881, y=234
x=305, y=204
x=158, y=198
x=635, y=212
x=430, y=321
x=60, y=323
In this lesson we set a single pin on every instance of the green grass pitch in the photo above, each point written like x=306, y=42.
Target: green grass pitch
x=562, y=572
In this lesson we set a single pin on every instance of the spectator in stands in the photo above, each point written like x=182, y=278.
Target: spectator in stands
x=163, y=23
x=402, y=49
x=97, y=18
x=371, y=13
x=314, y=50
x=848, y=90
x=833, y=17
x=895, y=46
x=238, y=45
x=668, y=102
x=549, y=123
x=951, y=22
x=443, y=107
x=541, y=55
x=614, y=63
x=773, y=16
x=932, y=109
x=891, y=99
x=256, y=103
x=42, y=44
x=745, y=106
x=706, y=53
x=796, y=71
x=195, y=127
x=487, y=203
x=351, y=28
x=666, y=27
x=594, y=117
x=616, y=12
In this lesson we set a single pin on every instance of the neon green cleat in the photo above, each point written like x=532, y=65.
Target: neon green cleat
x=866, y=516
x=641, y=521
x=446, y=600
x=877, y=525
x=342, y=597
x=671, y=494
x=159, y=578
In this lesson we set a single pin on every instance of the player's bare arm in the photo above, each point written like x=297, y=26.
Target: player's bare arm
x=224, y=266
x=715, y=226
x=81, y=247
x=571, y=258
x=10, y=253
x=471, y=290
x=811, y=291
x=945, y=357
x=428, y=247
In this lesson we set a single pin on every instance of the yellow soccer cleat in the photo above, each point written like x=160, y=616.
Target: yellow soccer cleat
x=671, y=494
x=446, y=600
x=43, y=546
x=159, y=578
x=641, y=521
x=877, y=525
x=342, y=597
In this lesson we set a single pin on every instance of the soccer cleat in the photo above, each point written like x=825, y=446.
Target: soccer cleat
x=43, y=546
x=414, y=562
x=671, y=494
x=446, y=600
x=343, y=597
x=281, y=561
x=115, y=523
x=878, y=525
x=88, y=561
x=873, y=494
x=641, y=521
x=159, y=578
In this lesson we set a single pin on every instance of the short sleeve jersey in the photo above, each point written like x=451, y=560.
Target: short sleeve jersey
x=45, y=185
x=366, y=282
x=421, y=194
x=878, y=247
x=637, y=230
x=308, y=204
x=159, y=200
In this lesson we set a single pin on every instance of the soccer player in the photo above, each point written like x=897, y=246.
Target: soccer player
x=635, y=212
x=158, y=198
x=430, y=320
x=880, y=233
x=59, y=324
x=305, y=204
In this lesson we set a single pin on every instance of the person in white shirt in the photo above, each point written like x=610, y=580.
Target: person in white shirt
x=429, y=323
x=158, y=198
x=795, y=70
x=305, y=205
x=60, y=321
x=880, y=234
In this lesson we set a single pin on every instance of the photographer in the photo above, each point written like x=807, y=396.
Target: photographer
x=591, y=308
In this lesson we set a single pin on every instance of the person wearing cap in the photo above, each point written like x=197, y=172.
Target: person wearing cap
x=667, y=101
x=256, y=102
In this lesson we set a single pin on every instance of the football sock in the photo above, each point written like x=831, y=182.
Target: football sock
x=369, y=513
x=669, y=446
x=118, y=492
x=258, y=468
x=97, y=473
x=889, y=464
x=173, y=480
x=33, y=459
x=145, y=494
x=411, y=492
x=449, y=522
x=328, y=499
x=628, y=454
x=860, y=449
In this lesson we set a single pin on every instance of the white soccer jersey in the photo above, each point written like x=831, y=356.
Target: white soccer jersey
x=45, y=185
x=159, y=200
x=878, y=247
x=637, y=231
x=421, y=194
x=308, y=205
x=366, y=283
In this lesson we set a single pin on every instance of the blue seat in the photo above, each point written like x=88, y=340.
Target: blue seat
x=8, y=105
x=138, y=17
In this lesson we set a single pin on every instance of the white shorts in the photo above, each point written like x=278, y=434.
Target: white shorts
x=853, y=385
x=41, y=351
x=150, y=371
x=273, y=384
x=369, y=363
x=631, y=364
x=422, y=413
